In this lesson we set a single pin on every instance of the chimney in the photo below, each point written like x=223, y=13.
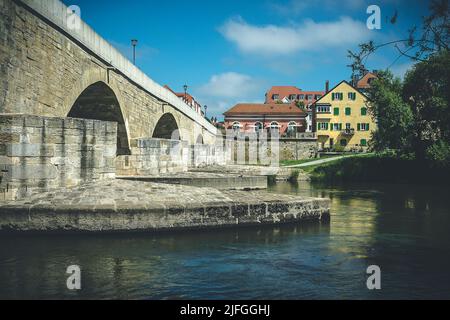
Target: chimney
x=327, y=87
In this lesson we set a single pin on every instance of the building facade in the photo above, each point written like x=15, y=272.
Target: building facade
x=287, y=119
x=343, y=122
x=294, y=95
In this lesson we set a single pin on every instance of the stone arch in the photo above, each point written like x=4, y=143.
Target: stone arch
x=167, y=128
x=200, y=139
x=99, y=102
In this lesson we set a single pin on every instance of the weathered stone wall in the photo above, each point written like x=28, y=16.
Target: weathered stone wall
x=207, y=155
x=41, y=153
x=298, y=149
x=43, y=71
x=153, y=157
x=260, y=151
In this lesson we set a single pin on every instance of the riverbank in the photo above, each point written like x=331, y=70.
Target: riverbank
x=379, y=168
x=136, y=206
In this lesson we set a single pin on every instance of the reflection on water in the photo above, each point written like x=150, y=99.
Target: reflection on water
x=403, y=229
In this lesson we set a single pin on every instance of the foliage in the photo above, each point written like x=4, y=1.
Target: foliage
x=427, y=91
x=381, y=168
x=419, y=45
x=300, y=104
x=394, y=116
x=413, y=116
x=439, y=154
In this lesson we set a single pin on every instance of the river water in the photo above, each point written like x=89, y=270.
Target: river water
x=405, y=230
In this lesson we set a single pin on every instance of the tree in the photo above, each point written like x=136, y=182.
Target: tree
x=419, y=45
x=393, y=115
x=414, y=116
x=427, y=91
x=300, y=104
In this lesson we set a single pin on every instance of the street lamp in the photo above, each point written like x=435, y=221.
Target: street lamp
x=134, y=43
x=206, y=109
x=185, y=92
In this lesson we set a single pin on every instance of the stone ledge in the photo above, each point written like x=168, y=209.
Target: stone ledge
x=121, y=205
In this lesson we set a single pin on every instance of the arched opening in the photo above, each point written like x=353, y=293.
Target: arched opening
x=199, y=139
x=236, y=126
x=167, y=128
x=258, y=126
x=99, y=102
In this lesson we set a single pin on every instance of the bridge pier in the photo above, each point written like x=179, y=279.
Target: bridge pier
x=43, y=153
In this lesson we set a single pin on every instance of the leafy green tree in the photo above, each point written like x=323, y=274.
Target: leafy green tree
x=300, y=105
x=394, y=116
x=427, y=91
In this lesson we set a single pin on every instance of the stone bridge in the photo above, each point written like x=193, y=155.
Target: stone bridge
x=53, y=67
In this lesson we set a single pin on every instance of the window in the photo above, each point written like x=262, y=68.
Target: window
x=348, y=111
x=275, y=97
x=348, y=126
x=364, y=111
x=336, y=111
x=363, y=127
x=274, y=126
x=337, y=96
x=343, y=142
x=309, y=97
x=236, y=126
x=336, y=126
x=323, y=109
x=258, y=126
x=322, y=125
x=292, y=97
x=352, y=96
x=301, y=97
x=363, y=143
x=318, y=96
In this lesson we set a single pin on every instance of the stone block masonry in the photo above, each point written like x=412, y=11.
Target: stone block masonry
x=154, y=156
x=298, y=149
x=131, y=206
x=42, y=153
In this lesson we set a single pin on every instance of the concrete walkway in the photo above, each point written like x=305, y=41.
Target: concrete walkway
x=317, y=162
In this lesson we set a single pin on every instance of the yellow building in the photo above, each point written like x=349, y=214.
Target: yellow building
x=343, y=121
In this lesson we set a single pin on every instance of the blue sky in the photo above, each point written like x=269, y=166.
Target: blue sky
x=233, y=51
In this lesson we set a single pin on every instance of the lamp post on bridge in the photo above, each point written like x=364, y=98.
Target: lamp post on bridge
x=134, y=43
x=185, y=87
x=206, y=109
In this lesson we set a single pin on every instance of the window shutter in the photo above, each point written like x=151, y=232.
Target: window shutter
x=326, y=126
x=331, y=126
x=359, y=127
x=367, y=127
x=318, y=125
x=332, y=96
x=340, y=126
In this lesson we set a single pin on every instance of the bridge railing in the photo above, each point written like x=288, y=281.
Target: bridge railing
x=59, y=14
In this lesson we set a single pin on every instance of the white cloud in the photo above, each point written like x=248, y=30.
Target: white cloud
x=224, y=90
x=229, y=85
x=301, y=6
x=280, y=40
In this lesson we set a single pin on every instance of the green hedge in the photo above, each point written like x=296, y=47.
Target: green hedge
x=381, y=168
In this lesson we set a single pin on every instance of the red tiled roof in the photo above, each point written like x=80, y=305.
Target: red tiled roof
x=182, y=95
x=364, y=82
x=286, y=91
x=263, y=108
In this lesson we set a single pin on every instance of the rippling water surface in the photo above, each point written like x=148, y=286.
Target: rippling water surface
x=403, y=229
